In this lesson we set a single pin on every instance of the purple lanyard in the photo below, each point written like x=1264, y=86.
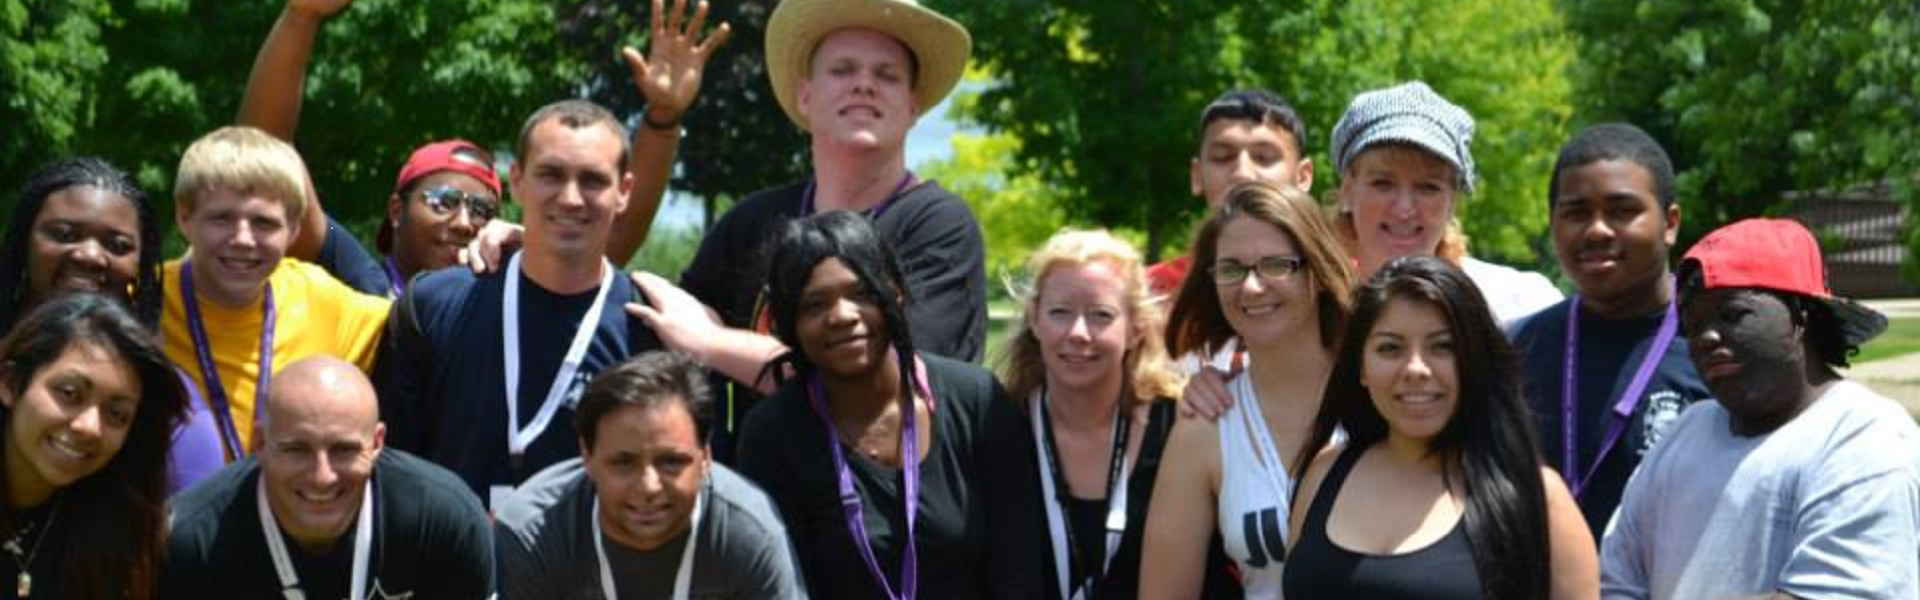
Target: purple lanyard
x=1623, y=408
x=806, y=198
x=850, y=499
x=395, y=282
x=203, y=351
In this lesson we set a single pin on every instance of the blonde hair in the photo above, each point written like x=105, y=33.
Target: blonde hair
x=1453, y=242
x=246, y=161
x=1150, y=374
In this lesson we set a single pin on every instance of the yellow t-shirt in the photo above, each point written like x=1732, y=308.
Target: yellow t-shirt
x=317, y=314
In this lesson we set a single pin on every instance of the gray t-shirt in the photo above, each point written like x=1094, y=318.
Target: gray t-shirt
x=1826, y=506
x=543, y=540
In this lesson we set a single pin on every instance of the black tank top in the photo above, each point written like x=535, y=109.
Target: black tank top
x=1317, y=568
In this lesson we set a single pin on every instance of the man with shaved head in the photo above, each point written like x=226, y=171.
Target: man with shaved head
x=322, y=510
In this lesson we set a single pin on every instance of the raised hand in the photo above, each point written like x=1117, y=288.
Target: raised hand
x=669, y=75
x=317, y=8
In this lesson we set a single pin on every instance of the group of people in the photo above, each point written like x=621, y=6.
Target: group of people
x=1318, y=400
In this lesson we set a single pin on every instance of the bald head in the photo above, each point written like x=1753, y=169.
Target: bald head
x=325, y=389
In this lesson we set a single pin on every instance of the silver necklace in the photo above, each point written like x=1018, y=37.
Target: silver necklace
x=23, y=585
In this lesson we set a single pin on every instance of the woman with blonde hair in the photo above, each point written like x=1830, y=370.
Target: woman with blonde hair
x=1089, y=367
x=1275, y=281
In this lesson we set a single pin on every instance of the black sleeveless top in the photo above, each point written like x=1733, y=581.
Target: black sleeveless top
x=1318, y=568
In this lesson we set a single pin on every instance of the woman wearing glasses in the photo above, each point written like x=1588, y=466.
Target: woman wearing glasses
x=899, y=474
x=1276, y=282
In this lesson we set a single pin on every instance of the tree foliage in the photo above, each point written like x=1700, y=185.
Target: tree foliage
x=1105, y=96
x=1754, y=98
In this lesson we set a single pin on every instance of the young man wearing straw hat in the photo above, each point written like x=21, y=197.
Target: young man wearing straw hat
x=856, y=75
x=1795, y=482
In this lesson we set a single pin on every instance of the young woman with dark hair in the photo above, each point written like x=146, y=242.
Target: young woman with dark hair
x=81, y=225
x=899, y=475
x=1438, y=491
x=90, y=402
x=1269, y=277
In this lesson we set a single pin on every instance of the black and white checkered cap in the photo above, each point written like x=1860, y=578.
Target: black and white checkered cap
x=1408, y=113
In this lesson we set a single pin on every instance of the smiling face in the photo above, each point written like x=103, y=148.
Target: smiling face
x=71, y=419
x=859, y=91
x=322, y=438
x=1749, y=349
x=839, y=324
x=84, y=239
x=426, y=239
x=1236, y=151
x=1612, y=235
x=1080, y=318
x=1409, y=371
x=1264, y=311
x=572, y=185
x=647, y=465
x=237, y=241
x=1401, y=199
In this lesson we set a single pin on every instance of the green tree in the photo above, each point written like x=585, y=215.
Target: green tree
x=136, y=81
x=1105, y=96
x=1754, y=98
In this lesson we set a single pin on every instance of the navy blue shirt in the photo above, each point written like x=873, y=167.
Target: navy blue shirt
x=1610, y=352
x=343, y=257
x=441, y=372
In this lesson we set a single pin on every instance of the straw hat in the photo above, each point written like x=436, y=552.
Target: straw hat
x=939, y=45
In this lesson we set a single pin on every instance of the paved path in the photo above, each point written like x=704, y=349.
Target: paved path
x=1897, y=377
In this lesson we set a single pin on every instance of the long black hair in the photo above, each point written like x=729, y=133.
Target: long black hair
x=69, y=173
x=117, y=522
x=1487, y=446
x=801, y=245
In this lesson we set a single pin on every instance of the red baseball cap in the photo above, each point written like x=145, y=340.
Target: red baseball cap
x=457, y=155
x=1782, y=256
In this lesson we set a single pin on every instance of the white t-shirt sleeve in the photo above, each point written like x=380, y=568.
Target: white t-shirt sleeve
x=1511, y=294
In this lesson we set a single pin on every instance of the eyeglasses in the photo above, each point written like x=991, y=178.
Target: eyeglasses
x=1271, y=268
x=444, y=200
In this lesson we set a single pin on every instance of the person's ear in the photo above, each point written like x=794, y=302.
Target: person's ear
x=1672, y=233
x=1303, y=175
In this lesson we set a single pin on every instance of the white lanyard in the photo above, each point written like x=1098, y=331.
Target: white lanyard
x=283, y=565
x=1056, y=503
x=518, y=438
x=682, y=580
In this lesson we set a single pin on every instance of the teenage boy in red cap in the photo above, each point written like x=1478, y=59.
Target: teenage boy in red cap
x=449, y=190
x=1606, y=371
x=1795, y=483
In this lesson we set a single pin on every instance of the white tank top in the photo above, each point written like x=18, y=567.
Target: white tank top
x=1255, y=491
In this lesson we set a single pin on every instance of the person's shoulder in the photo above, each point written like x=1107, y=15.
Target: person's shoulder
x=429, y=488
x=198, y=509
x=777, y=201
x=956, y=376
x=750, y=511
x=528, y=509
x=1869, y=420
x=1525, y=330
x=779, y=412
x=927, y=202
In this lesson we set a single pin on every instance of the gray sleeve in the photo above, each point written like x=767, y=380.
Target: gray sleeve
x=1857, y=538
x=770, y=569
x=1623, y=572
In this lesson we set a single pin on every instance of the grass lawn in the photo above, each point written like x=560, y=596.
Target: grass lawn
x=1902, y=337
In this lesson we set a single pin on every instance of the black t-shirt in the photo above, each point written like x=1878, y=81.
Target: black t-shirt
x=40, y=537
x=342, y=256
x=441, y=371
x=431, y=539
x=980, y=516
x=933, y=234
x=1088, y=518
x=1610, y=352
